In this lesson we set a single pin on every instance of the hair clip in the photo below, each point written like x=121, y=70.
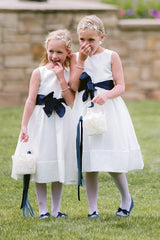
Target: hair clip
x=89, y=26
x=56, y=36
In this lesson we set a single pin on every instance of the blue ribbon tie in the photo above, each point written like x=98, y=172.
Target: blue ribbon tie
x=51, y=104
x=88, y=86
x=79, y=148
x=25, y=205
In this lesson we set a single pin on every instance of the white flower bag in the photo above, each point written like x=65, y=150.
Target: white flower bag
x=24, y=164
x=95, y=120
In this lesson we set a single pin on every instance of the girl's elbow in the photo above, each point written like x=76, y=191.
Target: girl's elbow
x=120, y=88
x=73, y=87
x=30, y=102
x=74, y=84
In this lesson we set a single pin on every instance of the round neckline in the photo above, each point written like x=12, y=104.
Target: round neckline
x=97, y=54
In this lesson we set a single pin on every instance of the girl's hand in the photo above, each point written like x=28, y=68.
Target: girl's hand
x=100, y=98
x=84, y=52
x=24, y=135
x=59, y=70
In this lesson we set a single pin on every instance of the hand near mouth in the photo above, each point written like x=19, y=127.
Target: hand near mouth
x=55, y=63
x=59, y=70
x=84, y=51
x=52, y=64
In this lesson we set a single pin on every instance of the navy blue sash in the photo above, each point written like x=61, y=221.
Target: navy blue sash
x=51, y=104
x=89, y=87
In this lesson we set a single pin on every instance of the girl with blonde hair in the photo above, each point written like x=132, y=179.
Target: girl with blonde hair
x=47, y=123
x=97, y=76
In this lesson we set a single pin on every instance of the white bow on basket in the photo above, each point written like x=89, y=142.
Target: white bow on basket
x=94, y=119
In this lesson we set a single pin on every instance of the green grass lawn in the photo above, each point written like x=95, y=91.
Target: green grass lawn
x=144, y=222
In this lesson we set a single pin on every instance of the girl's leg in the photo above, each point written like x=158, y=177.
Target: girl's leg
x=56, y=192
x=122, y=184
x=92, y=190
x=41, y=192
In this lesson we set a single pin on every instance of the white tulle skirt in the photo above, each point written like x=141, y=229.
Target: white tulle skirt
x=52, y=141
x=116, y=150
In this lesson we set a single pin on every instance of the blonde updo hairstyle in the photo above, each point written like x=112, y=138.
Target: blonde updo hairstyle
x=91, y=22
x=63, y=35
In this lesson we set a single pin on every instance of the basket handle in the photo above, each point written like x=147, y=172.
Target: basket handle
x=89, y=104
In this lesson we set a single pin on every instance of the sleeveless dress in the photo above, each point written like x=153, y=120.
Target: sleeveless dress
x=50, y=138
x=116, y=150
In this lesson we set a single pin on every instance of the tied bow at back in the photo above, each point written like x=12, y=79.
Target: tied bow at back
x=51, y=104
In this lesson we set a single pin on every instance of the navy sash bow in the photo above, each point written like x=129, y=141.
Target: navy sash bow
x=89, y=87
x=51, y=104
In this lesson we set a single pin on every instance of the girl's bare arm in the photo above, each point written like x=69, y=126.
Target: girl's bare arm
x=30, y=104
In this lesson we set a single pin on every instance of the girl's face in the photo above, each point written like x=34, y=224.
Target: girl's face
x=91, y=38
x=56, y=51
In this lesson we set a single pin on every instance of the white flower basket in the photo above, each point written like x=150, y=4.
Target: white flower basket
x=24, y=164
x=95, y=121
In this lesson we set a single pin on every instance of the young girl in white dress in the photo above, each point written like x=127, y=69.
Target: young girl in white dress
x=47, y=124
x=116, y=151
